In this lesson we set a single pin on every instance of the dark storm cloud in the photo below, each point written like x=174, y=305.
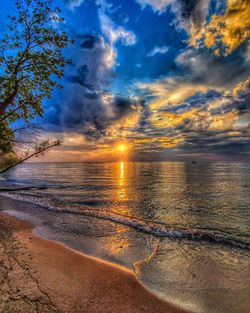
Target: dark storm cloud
x=122, y=106
x=90, y=112
x=199, y=66
x=195, y=10
x=199, y=84
x=81, y=77
x=85, y=105
x=92, y=116
x=190, y=14
x=188, y=6
x=241, y=104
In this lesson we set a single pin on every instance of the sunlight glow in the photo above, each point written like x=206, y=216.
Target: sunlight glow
x=122, y=147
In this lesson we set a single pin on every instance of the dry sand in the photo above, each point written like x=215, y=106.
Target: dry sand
x=37, y=275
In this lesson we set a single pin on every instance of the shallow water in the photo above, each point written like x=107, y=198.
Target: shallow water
x=184, y=228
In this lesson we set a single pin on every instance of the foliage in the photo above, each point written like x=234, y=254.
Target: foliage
x=7, y=159
x=31, y=63
x=40, y=148
x=5, y=138
x=31, y=57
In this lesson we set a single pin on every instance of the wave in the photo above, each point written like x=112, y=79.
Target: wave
x=150, y=227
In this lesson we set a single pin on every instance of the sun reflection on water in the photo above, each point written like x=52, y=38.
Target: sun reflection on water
x=121, y=191
x=117, y=243
x=121, y=173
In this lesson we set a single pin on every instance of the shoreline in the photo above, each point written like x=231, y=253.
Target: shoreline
x=38, y=275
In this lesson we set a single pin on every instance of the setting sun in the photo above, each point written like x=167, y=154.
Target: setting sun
x=122, y=147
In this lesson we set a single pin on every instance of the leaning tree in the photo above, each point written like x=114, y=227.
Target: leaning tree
x=31, y=64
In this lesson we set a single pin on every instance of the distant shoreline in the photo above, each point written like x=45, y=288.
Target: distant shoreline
x=46, y=276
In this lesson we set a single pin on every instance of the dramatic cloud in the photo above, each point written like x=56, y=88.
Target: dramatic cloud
x=199, y=66
x=85, y=105
x=224, y=33
x=178, y=92
x=199, y=119
x=115, y=33
x=191, y=14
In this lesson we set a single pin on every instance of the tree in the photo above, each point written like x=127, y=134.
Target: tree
x=30, y=57
x=31, y=62
x=38, y=149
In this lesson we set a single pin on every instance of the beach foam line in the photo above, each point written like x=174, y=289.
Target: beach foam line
x=150, y=227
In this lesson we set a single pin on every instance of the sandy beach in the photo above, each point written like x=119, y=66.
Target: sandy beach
x=37, y=275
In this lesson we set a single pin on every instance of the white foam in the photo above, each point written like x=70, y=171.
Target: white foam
x=146, y=226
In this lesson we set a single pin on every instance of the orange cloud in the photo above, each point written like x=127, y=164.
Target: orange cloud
x=230, y=29
x=242, y=87
x=170, y=119
x=169, y=142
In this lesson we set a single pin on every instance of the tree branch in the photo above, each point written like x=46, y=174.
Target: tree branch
x=9, y=99
x=56, y=143
x=11, y=112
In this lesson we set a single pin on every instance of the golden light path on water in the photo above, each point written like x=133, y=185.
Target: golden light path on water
x=121, y=182
x=117, y=243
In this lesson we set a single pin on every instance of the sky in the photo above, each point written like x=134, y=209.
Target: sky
x=169, y=79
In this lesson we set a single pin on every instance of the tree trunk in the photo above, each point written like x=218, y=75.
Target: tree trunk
x=3, y=107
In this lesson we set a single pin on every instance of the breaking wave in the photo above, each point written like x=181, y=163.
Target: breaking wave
x=150, y=227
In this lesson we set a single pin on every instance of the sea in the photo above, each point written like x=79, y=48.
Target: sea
x=183, y=228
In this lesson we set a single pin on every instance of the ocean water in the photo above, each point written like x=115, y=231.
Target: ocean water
x=183, y=228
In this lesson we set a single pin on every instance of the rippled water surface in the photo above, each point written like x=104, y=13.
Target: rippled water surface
x=184, y=228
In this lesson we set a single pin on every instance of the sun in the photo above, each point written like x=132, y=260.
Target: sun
x=122, y=147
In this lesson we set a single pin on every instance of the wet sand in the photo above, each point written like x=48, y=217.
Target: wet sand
x=38, y=275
